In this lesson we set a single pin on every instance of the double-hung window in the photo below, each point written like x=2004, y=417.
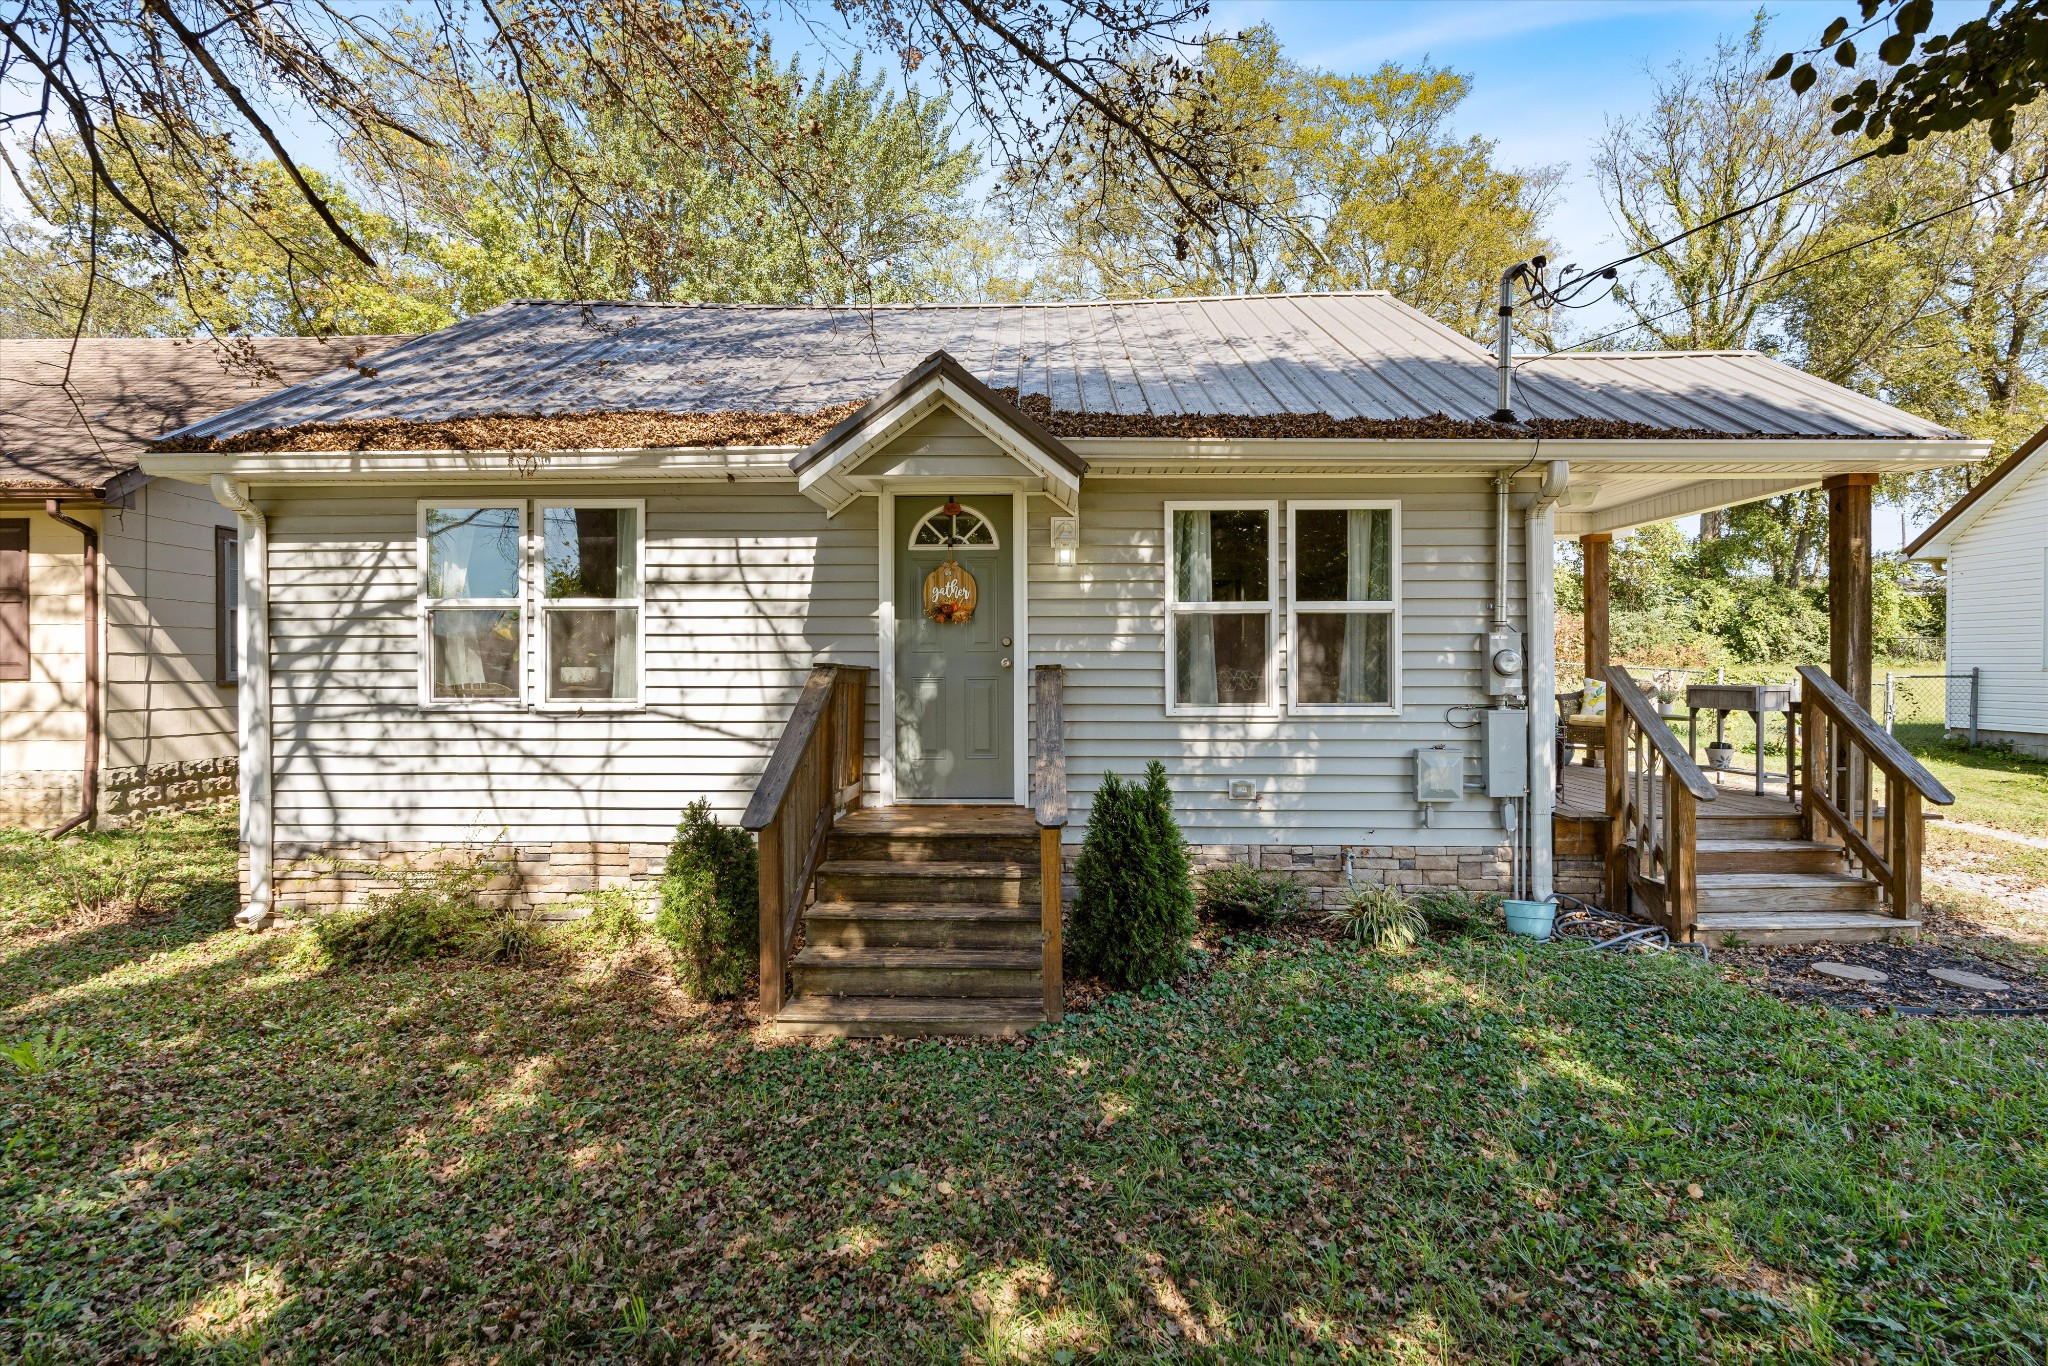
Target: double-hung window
x=1344, y=608
x=1221, y=570
x=590, y=601
x=472, y=602
x=578, y=564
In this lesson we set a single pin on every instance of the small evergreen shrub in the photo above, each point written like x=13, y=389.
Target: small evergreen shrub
x=710, y=905
x=1378, y=916
x=1135, y=908
x=1243, y=897
x=435, y=912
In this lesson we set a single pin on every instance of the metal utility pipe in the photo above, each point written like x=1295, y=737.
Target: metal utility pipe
x=1540, y=564
x=89, y=801
x=1504, y=356
x=1500, y=548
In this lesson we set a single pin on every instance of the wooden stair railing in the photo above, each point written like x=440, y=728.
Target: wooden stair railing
x=1840, y=745
x=1653, y=794
x=1049, y=805
x=812, y=777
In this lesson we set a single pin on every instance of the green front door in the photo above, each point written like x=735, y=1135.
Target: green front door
x=955, y=680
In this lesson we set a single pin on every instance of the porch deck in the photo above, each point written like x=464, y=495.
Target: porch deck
x=1582, y=796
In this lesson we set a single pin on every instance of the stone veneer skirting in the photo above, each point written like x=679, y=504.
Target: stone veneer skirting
x=548, y=879
x=127, y=793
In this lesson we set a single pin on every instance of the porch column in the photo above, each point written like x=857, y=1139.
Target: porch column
x=1849, y=583
x=1593, y=548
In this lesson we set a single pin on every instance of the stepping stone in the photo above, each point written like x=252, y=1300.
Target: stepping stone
x=1970, y=981
x=1849, y=972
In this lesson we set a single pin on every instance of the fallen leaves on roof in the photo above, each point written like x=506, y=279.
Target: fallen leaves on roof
x=643, y=429
x=632, y=430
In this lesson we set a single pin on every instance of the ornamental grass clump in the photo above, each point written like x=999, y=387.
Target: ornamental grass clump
x=1243, y=897
x=710, y=905
x=1134, y=913
x=1378, y=917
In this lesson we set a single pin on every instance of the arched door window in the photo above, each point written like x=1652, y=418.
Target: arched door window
x=954, y=527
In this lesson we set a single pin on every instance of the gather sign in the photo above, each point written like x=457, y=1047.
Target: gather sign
x=950, y=594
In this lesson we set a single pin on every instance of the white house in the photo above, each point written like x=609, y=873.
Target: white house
x=1994, y=544
x=544, y=577
x=117, y=677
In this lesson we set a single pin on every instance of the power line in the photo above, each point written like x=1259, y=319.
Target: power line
x=1600, y=271
x=1797, y=266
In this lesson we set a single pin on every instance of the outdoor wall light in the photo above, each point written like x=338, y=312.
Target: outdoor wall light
x=1066, y=540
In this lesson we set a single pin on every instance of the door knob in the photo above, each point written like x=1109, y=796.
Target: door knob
x=1006, y=642
x=1006, y=663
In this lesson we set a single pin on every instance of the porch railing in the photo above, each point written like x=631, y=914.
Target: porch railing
x=1653, y=794
x=1842, y=746
x=1049, y=805
x=813, y=776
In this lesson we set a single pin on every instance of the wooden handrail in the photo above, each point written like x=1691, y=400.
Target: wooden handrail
x=1653, y=794
x=1049, y=805
x=1884, y=749
x=812, y=776
x=1840, y=744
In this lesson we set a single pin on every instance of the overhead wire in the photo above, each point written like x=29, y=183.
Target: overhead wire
x=1799, y=265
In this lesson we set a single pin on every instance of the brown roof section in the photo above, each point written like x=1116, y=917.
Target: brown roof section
x=74, y=418
x=1969, y=500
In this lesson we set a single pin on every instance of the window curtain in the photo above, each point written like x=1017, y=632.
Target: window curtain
x=1359, y=671
x=625, y=654
x=1194, y=574
x=462, y=661
x=452, y=550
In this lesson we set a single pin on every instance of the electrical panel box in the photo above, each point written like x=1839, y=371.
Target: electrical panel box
x=1439, y=775
x=1504, y=661
x=1504, y=732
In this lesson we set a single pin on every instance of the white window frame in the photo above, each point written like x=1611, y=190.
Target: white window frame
x=1271, y=608
x=1391, y=607
x=425, y=606
x=538, y=664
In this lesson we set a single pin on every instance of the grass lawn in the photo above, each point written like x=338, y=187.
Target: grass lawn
x=1472, y=1152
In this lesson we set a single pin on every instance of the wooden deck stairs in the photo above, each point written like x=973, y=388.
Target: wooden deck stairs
x=1822, y=862
x=904, y=920
x=927, y=921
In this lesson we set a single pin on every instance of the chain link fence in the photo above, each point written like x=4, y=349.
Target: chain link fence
x=1921, y=709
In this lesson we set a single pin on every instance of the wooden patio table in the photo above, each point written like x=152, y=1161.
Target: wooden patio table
x=1757, y=699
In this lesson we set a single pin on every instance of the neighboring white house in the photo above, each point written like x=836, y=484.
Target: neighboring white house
x=546, y=576
x=117, y=680
x=1994, y=545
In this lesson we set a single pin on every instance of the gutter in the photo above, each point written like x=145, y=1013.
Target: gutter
x=253, y=697
x=1539, y=563
x=88, y=805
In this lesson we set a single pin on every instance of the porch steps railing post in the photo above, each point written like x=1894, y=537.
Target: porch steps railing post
x=1049, y=806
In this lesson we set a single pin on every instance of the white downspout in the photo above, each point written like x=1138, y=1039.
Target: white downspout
x=253, y=702
x=1540, y=650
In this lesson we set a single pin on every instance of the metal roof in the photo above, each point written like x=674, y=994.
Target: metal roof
x=75, y=415
x=1355, y=355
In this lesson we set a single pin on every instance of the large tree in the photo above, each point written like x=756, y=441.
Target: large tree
x=1717, y=138
x=1338, y=182
x=574, y=183
x=196, y=91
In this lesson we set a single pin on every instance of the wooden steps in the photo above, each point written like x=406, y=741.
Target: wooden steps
x=1800, y=927
x=927, y=922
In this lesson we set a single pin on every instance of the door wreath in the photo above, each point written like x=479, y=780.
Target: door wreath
x=950, y=594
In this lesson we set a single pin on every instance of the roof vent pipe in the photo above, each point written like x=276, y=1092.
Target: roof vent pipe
x=1504, y=357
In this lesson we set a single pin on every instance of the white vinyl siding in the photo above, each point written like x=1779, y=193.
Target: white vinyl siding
x=745, y=587
x=1320, y=778
x=1998, y=613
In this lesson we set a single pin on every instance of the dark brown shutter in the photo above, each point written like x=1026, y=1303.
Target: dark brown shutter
x=14, y=598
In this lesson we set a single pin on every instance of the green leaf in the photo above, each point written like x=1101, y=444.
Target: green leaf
x=1895, y=49
x=1845, y=55
x=1834, y=30
x=1803, y=78
x=1780, y=67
